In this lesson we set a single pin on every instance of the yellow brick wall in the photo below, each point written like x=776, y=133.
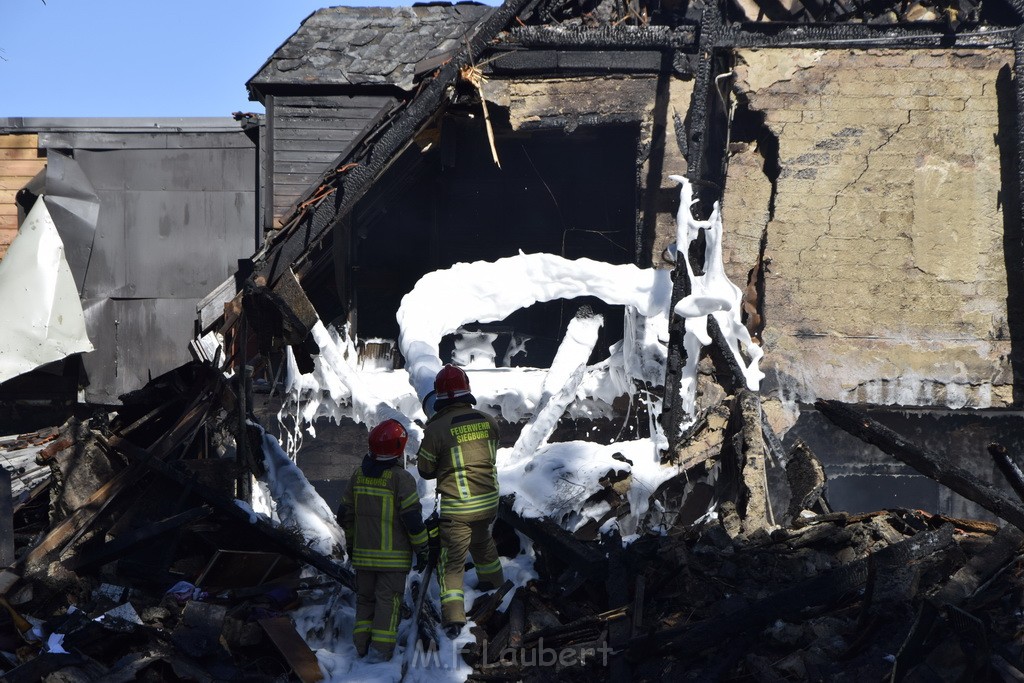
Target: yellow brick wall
x=887, y=281
x=19, y=163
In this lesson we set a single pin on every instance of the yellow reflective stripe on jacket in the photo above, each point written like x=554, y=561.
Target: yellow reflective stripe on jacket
x=484, y=501
x=460, y=473
x=419, y=539
x=410, y=500
x=393, y=559
x=387, y=511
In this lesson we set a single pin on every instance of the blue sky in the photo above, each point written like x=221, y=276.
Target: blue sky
x=141, y=57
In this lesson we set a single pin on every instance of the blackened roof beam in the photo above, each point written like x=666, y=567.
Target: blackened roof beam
x=604, y=37
x=859, y=35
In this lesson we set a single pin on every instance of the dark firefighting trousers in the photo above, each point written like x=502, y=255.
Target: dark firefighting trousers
x=457, y=538
x=378, y=601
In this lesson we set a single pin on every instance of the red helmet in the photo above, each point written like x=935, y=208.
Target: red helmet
x=451, y=382
x=387, y=440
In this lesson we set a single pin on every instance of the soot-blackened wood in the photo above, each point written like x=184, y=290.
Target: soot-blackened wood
x=1005, y=545
x=279, y=538
x=927, y=463
x=585, y=559
x=1014, y=477
x=824, y=589
x=108, y=551
x=6, y=519
x=696, y=170
x=806, y=479
x=489, y=605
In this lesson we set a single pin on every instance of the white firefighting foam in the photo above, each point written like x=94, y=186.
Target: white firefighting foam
x=557, y=479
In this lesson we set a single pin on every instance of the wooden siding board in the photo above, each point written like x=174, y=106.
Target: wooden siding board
x=309, y=133
x=357, y=101
x=19, y=141
x=320, y=122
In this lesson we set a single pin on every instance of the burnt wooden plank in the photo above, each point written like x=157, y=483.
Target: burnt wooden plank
x=586, y=559
x=6, y=519
x=926, y=462
x=1004, y=547
x=298, y=655
x=280, y=538
x=1008, y=467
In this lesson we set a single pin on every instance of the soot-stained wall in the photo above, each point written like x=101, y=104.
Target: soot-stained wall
x=884, y=231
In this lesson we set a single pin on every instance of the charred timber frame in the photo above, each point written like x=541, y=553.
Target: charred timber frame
x=375, y=154
x=930, y=464
x=696, y=152
x=861, y=36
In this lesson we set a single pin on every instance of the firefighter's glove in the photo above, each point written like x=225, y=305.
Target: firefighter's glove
x=433, y=525
x=422, y=556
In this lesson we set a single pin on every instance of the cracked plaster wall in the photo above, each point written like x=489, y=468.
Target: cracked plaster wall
x=887, y=281
x=594, y=100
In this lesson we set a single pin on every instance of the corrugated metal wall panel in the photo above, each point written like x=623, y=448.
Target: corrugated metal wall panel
x=145, y=341
x=172, y=224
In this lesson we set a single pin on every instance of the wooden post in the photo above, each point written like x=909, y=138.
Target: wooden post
x=6, y=519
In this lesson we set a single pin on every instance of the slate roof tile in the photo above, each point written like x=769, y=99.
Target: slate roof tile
x=367, y=45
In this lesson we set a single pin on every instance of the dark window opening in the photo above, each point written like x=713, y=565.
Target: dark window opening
x=569, y=194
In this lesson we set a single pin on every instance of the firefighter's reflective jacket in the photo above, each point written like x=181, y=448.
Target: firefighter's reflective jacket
x=381, y=515
x=458, y=449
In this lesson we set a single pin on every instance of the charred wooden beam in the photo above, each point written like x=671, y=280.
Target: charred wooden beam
x=697, y=170
x=6, y=519
x=368, y=162
x=1014, y=477
x=927, y=463
x=861, y=36
x=825, y=589
x=1004, y=547
x=577, y=61
x=489, y=606
x=582, y=557
x=604, y=37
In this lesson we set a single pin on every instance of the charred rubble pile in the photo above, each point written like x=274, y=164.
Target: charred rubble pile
x=134, y=559
x=771, y=584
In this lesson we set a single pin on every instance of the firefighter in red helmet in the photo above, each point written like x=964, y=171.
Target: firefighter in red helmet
x=381, y=515
x=458, y=449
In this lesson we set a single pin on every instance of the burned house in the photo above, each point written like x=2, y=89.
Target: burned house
x=863, y=160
